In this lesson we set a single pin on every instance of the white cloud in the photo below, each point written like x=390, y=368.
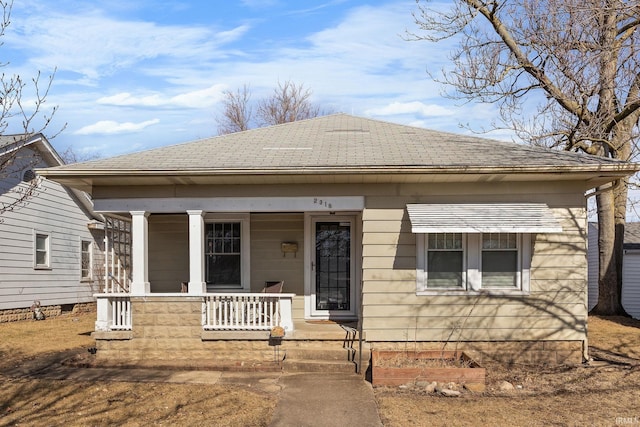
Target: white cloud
x=354, y=61
x=202, y=98
x=415, y=107
x=94, y=45
x=113, y=127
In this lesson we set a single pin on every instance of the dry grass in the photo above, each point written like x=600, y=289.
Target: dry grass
x=594, y=395
x=37, y=402
x=585, y=395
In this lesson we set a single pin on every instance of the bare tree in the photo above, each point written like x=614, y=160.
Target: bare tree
x=69, y=156
x=583, y=58
x=289, y=102
x=23, y=103
x=237, y=114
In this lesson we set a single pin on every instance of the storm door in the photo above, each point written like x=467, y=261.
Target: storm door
x=333, y=286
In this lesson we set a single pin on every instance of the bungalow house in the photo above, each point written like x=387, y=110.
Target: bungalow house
x=423, y=239
x=630, y=268
x=49, y=241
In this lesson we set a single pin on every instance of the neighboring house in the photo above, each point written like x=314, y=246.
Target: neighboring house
x=424, y=238
x=51, y=242
x=630, y=268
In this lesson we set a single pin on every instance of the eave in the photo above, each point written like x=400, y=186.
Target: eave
x=592, y=175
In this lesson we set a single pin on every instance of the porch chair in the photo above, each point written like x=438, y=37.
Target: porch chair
x=271, y=287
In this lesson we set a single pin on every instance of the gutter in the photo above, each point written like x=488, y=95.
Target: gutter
x=618, y=170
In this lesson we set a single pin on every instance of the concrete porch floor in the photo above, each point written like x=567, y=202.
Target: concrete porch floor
x=313, y=330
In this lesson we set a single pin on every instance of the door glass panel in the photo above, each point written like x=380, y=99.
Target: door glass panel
x=333, y=265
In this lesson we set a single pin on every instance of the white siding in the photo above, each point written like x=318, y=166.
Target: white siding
x=52, y=211
x=631, y=283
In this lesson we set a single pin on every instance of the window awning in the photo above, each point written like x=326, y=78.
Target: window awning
x=483, y=218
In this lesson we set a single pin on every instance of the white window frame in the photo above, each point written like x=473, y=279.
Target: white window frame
x=518, y=250
x=472, y=266
x=245, y=239
x=47, y=264
x=89, y=276
x=464, y=263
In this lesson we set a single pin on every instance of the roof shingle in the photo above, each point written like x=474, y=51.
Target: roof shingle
x=340, y=141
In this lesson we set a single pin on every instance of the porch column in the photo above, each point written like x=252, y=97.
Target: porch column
x=140, y=253
x=197, y=284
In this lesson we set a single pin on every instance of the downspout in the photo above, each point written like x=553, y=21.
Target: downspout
x=585, y=343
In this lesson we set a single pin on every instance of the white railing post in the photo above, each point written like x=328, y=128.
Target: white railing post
x=102, y=318
x=286, y=317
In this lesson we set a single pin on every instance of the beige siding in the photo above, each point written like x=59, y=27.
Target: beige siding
x=554, y=309
x=268, y=262
x=168, y=252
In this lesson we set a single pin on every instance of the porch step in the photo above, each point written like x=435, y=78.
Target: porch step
x=226, y=365
x=330, y=357
x=332, y=366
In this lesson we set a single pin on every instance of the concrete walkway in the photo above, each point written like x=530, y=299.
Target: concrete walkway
x=304, y=399
x=325, y=399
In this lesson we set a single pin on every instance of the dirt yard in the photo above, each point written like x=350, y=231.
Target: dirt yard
x=603, y=393
x=36, y=402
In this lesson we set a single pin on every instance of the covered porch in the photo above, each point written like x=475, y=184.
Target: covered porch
x=168, y=331
x=222, y=259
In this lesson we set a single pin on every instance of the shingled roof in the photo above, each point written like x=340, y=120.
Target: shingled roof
x=341, y=141
x=339, y=148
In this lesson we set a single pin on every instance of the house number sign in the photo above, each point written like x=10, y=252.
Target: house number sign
x=322, y=202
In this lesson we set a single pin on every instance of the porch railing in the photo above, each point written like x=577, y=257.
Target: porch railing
x=248, y=311
x=114, y=312
x=222, y=311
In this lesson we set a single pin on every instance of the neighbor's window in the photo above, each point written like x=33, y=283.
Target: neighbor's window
x=445, y=261
x=223, y=254
x=496, y=262
x=85, y=259
x=41, y=250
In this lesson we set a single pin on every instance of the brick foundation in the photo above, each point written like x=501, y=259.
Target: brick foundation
x=19, y=314
x=169, y=330
x=504, y=352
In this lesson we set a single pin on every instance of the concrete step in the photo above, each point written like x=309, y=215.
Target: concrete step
x=235, y=365
x=346, y=367
x=329, y=354
x=316, y=359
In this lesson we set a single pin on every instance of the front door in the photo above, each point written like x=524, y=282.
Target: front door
x=332, y=267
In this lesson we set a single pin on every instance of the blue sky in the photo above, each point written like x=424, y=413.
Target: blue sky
x=133, y=75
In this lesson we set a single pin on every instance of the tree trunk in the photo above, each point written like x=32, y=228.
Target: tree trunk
x=608, y=288
x=609, y=281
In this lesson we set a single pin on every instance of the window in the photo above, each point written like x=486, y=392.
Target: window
x=499, y=260
x=41, y=256
x=85, y=260
x=473, y=262
x=226, y=253
x=445, y=261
